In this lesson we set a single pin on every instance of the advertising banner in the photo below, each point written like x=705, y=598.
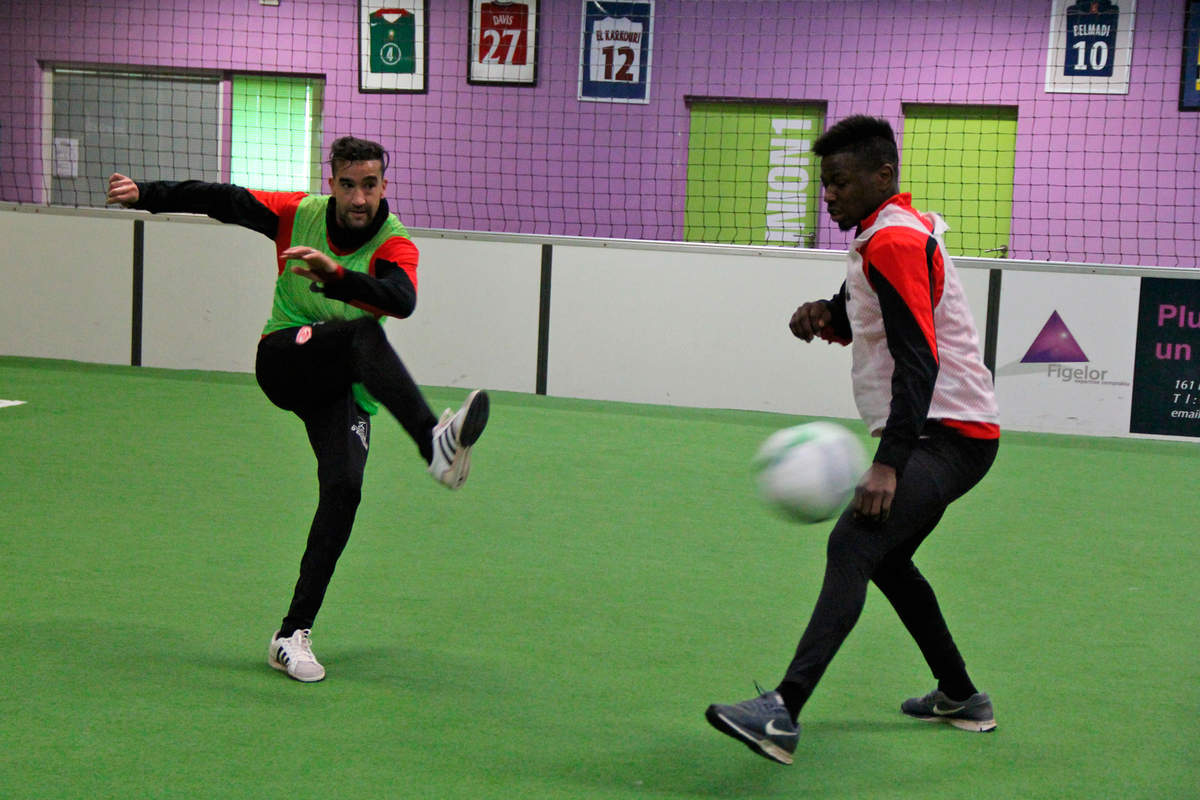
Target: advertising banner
x=1166, y=374
x=1065, y=351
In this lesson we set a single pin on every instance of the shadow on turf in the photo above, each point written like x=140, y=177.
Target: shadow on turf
x=121, y=658
x=710, y=765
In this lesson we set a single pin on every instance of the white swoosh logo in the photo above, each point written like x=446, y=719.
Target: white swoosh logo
x=944, y=711
x=773, y=731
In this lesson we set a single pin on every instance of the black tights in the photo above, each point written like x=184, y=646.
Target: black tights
x=309, y=371
x=943, y=467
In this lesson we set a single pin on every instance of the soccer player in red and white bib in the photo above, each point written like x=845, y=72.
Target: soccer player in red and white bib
x=921, y=386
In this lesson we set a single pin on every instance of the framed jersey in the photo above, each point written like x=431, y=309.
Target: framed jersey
x=1091, y=46
x=393, y=45
x=615, y=51
x=502, y=42
x=1189, y=91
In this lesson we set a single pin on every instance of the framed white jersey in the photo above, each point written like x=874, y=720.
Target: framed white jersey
x=615, y=50
x=1091, y=46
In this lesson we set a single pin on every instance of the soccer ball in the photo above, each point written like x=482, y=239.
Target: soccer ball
x=809, y=471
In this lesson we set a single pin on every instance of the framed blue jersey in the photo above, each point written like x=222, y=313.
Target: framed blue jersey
x=1189, y=91
x=1090, y=47
x=615, y=51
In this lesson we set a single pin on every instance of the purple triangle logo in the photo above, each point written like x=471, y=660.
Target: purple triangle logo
x=1054, y=344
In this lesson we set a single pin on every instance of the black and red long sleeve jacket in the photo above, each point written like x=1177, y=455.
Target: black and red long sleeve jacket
x=389, y=288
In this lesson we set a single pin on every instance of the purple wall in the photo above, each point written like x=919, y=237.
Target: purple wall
x=1099, y=178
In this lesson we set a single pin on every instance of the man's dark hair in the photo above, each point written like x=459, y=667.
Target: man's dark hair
x=348, y=149
x=869, y=139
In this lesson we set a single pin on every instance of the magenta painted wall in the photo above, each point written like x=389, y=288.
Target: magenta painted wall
x=1099, y=178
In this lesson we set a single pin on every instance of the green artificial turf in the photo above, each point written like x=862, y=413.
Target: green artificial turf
x=557, y=628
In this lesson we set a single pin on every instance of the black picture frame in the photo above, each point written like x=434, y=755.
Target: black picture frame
x=1189, y=78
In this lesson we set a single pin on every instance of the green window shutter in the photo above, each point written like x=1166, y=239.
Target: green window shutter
x=959, y=161
x=275, y=133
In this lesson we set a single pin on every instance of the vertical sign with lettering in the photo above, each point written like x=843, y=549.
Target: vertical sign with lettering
x=1166, y=372
x=615, y=51
x=751, y=176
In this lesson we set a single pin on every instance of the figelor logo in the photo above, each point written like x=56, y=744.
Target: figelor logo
x=1055, y=347
x=1054, y=344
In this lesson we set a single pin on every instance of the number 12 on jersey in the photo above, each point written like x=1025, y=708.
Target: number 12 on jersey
x=615, y=47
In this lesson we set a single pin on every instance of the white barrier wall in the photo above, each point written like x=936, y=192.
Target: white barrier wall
x=476, y=323
x=207, y=292
x=687, y=325
x=692, y=329
x=66, y=287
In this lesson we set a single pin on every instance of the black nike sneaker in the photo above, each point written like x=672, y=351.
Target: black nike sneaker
x=973, y=714
x=761, y=723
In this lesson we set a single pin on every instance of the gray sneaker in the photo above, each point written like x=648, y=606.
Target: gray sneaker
x=761, y=723
x=973, y=714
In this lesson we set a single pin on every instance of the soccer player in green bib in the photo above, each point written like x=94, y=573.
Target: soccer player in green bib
x=344, y=263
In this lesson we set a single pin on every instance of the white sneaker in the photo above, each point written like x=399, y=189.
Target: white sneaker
x=453, y=438
x=294, y=656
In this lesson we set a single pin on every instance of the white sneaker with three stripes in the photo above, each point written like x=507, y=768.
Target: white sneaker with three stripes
x=453, y=437
x=294, y=656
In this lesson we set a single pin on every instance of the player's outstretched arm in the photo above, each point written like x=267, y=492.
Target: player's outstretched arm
x=122, y=189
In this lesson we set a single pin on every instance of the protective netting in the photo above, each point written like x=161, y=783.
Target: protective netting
x=1049, y=130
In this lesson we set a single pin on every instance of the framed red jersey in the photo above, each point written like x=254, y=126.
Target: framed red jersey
x=502, y=42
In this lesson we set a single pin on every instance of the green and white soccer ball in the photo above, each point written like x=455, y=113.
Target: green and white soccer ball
x=809, y=471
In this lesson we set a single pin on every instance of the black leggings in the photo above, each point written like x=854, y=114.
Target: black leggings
x=943, y=467
x=309, y=371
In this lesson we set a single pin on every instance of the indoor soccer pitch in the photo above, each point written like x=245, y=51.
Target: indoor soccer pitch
x=557, y=628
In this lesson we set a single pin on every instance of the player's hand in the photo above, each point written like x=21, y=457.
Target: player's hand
x=317, y=266
x=809, y=319
x=121, y=190
x=874, y=494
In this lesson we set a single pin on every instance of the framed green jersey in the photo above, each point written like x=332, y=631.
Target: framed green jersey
x=393, y=45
